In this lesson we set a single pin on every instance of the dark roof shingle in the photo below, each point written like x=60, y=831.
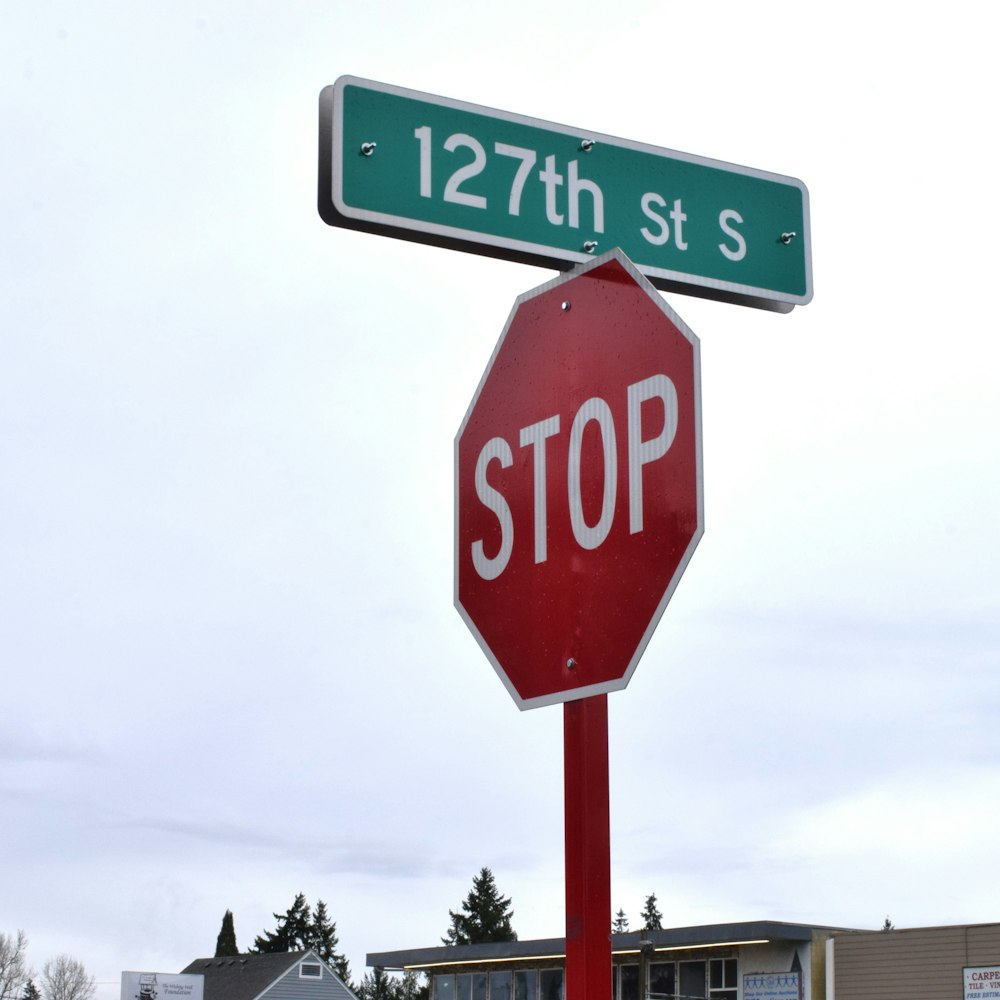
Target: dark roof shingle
x=242, y=977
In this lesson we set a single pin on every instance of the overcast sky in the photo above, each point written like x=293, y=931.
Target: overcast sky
x=231, y=667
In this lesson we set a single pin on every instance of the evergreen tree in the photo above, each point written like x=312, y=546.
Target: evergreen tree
x=377, y=985
x=322, y=935
x=650, y=915
x=411, y=988
x=888, y=925
x=487, y=915
x=225, y=944
x=297, y=921
x=31, y=991
x=301, y=928
x=620, y=924
x=292, y=932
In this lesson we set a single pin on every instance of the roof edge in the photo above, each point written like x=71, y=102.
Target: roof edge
x=707, y=935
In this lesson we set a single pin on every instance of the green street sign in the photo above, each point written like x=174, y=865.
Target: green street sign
x=419, y=167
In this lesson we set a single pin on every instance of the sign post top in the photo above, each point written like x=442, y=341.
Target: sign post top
x=416, y=166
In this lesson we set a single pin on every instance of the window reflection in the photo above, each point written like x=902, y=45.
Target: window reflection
x=550, y=984
x=711, y=979
x=501, y=986
x=693, y=979
x=662, y=979
x=630, y=982
x=526, y=985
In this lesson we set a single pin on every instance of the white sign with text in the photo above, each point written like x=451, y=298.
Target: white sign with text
x=772, y=986
x=982, y=982
x=162, y=986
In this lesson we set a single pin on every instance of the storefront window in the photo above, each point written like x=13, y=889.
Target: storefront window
x=471, y=986
x=526, y=985
x=500, y=986
x=692, y=975
x=444, y=988
x=714, y=979
x=722, y=978
x=662, y=979
x=629, y=982
x=550, y=983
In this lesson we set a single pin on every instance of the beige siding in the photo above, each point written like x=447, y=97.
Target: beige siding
x=984, y=945
x=920, y=964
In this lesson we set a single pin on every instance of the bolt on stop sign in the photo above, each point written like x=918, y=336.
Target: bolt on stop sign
x=578, y=483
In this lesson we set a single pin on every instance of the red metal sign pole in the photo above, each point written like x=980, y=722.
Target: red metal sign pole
x=588, y=849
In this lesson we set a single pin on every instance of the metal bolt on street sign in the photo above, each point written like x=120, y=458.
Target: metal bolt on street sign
x=401, y=163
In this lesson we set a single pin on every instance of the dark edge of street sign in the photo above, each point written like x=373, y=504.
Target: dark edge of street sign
x=469, y=241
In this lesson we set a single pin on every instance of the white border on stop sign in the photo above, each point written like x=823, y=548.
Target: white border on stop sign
x=655, y=296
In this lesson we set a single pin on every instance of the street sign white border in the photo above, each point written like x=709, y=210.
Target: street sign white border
x=331, y=127
x=617, y=685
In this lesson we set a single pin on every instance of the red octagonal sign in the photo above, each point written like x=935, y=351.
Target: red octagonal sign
x=578, y=488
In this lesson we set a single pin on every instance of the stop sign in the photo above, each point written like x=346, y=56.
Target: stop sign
x=578, y=483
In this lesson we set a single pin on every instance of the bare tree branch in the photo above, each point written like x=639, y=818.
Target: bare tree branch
x=65, y=978
x=14, y=971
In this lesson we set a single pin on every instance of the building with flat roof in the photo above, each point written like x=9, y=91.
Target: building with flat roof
x=958, y=962
x=756, y=960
